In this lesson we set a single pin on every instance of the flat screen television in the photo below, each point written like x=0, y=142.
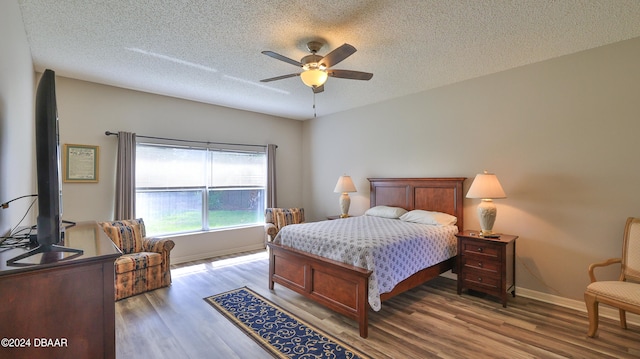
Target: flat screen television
x=49, y=222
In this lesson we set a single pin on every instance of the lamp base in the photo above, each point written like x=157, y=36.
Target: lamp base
x=487, y=214
x=494, y=235
x=345, y=202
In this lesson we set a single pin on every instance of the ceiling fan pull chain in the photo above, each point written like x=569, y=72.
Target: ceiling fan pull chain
x=314, y=105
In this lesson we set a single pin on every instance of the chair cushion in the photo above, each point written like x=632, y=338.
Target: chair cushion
x=626, y=292
x=129, y=222
x=126, y=237
x=135, y=261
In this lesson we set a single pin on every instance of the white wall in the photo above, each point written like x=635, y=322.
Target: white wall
x=17, y=147
x=562, y=136
x=86, y=110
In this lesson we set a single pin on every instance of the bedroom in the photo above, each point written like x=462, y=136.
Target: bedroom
x=559, y=133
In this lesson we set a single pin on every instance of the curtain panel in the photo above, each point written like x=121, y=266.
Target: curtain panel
x=125, y=204
x=271, y=176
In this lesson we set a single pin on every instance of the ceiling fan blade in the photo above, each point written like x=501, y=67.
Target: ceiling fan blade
x=348, y=74
x=279, y=77
x=282, y=58
x=337, y=55
x=318, y=89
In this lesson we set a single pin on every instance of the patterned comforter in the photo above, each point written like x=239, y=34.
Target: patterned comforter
x=391, y=248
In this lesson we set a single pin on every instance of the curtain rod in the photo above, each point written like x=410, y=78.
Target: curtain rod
x=109, y=133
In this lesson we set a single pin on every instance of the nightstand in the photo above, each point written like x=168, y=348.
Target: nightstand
x=487, y=265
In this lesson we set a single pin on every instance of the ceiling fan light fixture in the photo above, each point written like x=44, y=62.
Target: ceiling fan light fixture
x=314, y=75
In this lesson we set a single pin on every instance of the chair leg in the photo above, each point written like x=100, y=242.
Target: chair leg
x=592, y=311
x=623, y=318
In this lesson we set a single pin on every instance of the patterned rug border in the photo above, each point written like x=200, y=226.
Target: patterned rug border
x=257, y=338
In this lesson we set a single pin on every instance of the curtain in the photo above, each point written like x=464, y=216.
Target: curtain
x=126, y=176
x=271, y=176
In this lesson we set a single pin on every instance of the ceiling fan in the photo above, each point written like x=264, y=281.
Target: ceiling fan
x=316, y=69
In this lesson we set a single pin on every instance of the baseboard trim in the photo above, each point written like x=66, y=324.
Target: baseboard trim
x=212, y=254
x=603, y=310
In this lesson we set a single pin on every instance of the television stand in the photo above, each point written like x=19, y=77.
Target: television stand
x=65, y=308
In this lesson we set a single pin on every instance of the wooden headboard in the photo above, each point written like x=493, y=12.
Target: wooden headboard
x=431, y=194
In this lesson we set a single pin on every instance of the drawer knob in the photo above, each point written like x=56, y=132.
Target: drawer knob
x=479, y=279
x=479, y=249
x=480, y=264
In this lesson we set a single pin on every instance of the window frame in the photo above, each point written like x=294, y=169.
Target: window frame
x=205, y=225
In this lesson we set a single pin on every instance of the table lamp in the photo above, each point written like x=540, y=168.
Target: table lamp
x=344, y=185
x=487, y=187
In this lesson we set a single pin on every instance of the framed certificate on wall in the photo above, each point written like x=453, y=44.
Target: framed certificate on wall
x=80, y=163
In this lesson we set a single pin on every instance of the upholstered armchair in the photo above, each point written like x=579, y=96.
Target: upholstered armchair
x=276, y=218
x=623, y=293
x=145, y=264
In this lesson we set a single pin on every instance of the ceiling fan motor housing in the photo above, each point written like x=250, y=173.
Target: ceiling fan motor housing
x=312, y=61
x=314, y=46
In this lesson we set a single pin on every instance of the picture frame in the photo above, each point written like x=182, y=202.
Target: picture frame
x=81, y=163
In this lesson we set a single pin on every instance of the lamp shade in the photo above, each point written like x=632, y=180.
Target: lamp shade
x=345, y=184
x=486, y=185
x=314, y=77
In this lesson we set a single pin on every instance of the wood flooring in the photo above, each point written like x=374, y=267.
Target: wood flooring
x=431, y=321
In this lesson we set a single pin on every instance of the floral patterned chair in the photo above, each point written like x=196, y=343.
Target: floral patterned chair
x=276, y=218
x=623, y=293
x=144, y=265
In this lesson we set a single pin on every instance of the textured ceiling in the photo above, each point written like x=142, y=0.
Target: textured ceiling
x=209, y=50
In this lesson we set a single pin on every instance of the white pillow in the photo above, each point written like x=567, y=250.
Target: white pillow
x=385, y=212
x=427, y=217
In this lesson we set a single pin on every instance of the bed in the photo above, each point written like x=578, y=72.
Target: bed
x=343, y=287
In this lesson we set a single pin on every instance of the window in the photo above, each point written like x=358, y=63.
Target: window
x=190, y=189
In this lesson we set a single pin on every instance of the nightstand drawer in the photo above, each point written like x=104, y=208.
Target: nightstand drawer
x=481, y=281
x=471, y=247
x=481, y=264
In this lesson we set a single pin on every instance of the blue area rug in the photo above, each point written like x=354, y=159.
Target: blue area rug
x=278, y=331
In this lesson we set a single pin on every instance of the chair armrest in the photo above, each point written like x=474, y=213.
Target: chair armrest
x=158, y=245
x=271, y=231
x=162, y=246
x=593, y=266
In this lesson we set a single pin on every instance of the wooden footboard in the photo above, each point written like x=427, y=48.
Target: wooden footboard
x=338, y=286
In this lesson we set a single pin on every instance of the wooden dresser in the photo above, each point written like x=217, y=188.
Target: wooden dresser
x=60, y=308
x=487, y=265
